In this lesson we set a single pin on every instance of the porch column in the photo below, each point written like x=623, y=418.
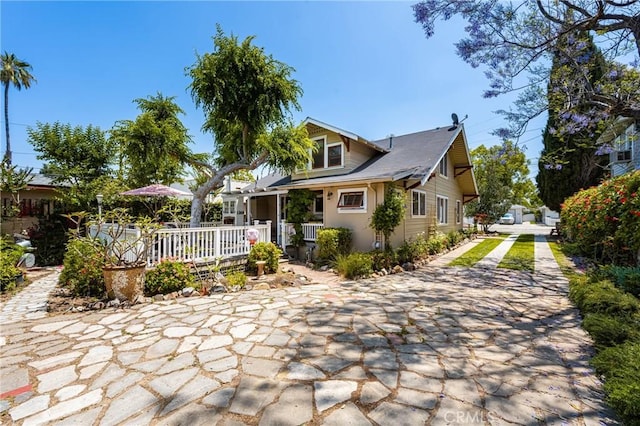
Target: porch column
x=248, y=221
x=278, y=213
x=269, y=231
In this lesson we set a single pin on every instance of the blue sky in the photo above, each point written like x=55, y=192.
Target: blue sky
x=364, y=66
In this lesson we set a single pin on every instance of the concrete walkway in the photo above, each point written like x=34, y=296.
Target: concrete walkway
x=434, y=346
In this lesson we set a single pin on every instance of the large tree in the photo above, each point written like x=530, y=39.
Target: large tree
x=14, y=73
x=154, y=146
x=568, y=161
x=502, y=176
x=247, y=97
x=516, y=42
x=77, y=157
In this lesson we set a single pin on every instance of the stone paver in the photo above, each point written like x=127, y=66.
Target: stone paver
x=435, y=346
x=31, y=302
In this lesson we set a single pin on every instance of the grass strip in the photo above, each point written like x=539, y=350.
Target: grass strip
x=477, y=253
x=566, y=266
x=520, y=256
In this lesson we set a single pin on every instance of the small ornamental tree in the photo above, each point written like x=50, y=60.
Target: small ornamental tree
x=388, y=215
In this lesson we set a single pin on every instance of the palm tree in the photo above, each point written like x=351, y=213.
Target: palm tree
x=16, y=72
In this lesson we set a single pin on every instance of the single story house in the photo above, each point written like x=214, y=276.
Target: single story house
x=36, y=200
x=349, y=175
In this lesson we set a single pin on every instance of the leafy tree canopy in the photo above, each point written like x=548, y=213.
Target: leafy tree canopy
x=79, y=157
x=154, y=146
x=516, y=41
x=247, y=97
x=568, y=161
x=502, y=176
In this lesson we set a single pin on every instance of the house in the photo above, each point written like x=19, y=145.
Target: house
x=36, y=200
x=624, y=143
x=349, y=175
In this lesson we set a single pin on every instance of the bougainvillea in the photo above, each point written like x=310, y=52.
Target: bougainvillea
x=604, y=221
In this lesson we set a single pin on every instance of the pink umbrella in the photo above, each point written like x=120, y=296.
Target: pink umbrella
x=156, y=190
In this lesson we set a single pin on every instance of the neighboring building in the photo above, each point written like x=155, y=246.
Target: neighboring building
x=349, y=175
x=623, y=138
x=517, y=211
x=37, y=200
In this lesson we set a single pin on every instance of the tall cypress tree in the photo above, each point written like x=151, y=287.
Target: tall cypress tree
x=568, y=161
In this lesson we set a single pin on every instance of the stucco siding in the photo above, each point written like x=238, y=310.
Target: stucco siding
x=363, y=234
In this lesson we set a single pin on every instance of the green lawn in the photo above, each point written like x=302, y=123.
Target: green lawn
x=521, y=255
x=565, y=264
x=477, y=253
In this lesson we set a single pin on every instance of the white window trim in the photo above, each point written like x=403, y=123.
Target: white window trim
x=458, y=212
x=326, y=154
x=326, y=145
x=444, y=161
x=353, y=209
x=446, y=209
x=228, y=212
x=424, y=194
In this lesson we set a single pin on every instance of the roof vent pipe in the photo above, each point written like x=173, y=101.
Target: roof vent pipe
x=390, y=141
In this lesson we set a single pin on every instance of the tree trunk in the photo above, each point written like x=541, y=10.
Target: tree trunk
x=7, y=153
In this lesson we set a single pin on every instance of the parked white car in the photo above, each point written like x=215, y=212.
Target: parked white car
x=507, y=219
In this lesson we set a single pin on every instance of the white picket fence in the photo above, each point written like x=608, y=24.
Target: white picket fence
x=192, y=244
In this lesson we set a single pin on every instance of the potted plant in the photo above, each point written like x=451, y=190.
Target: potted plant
x=125, y=241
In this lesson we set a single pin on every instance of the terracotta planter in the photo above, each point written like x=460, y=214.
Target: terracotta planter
x=124, y=282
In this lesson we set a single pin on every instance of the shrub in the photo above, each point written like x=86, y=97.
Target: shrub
x=408, y=251
x=83, y=263
x=354, y=265
x=621, y=367
x=10, y=254
x=608, y=331
x=383, y=259
x=436, y=244
x=237, y=279
x=168, y=276
x=49, y=237
x=625, y=278
x=453, y=238
x=604, y=221
x=602, y=297
x=332, y=242
x=268, y=252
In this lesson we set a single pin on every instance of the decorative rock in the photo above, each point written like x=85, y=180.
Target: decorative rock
x=187, y=291
x=383, y=271
x=158, y=297
x=408, y=266
x=218, y=289
x=397, y=269
x=262, y=286
x=324, y=268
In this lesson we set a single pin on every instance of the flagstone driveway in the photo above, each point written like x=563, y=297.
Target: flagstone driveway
x=435, y=346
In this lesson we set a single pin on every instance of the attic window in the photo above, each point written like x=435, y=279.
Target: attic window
x=352, y=201
x=327, y=155
x=443, y=167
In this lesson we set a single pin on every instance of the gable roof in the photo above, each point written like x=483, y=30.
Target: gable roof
x=344, y=133
x=411, y=156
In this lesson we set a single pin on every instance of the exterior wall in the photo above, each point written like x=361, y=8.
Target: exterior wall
x=359, y=223
x=356, y=155
x=33, y=202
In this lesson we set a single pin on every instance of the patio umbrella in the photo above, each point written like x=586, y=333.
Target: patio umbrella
x=156, y=190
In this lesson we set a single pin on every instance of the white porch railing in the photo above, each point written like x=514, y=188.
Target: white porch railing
x=195, y=244
x=309, y=230
x=183, y=225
